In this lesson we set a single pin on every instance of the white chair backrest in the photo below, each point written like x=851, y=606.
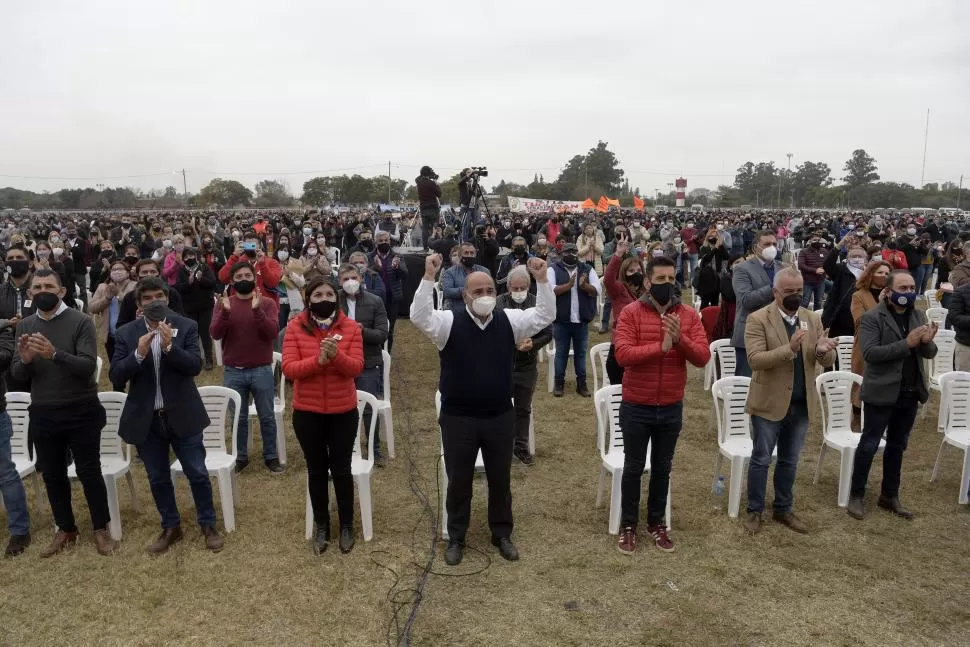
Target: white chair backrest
x=111, y=445
x=931, y=298
x=17, y=405
x=836, y=406
x=936, y=315
x=386, y=358
x=727, y=359
x=97, y=370
x=844, y=351
x=365, y=400
x=943, y=362
x=216, y=400
x=730, y=398
x=278, y=367
x=955, y=386
x=608, y=401
x=597, y=361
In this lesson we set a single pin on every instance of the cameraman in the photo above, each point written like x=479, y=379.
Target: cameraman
x=467, y=190
x=429, y=201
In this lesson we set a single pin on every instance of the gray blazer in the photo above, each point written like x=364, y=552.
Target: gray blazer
x=884, y=348
x=372, y=316
x=753, y=291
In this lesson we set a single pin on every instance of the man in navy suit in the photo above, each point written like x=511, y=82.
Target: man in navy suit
x=158, y=355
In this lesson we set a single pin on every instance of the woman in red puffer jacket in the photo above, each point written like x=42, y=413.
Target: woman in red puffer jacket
x=323, y=353
x=623, y=278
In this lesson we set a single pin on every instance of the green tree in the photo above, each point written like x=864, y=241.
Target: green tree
x=355, y=189
x=599, y=169
x=273, y=193
x=224, y=193
x=171, y=192
x=318, y=191
x=860, y=169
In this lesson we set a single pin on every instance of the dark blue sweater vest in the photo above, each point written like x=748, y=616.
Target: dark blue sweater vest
x=587, y=303
x=476, y=367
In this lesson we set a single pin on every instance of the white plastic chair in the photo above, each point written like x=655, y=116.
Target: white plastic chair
x=836, y=407
x=945, y=341
x=439, y=296
x=279, y=407
x=722, y=356
x=220, y=461
x=443, y=473
x=937, y=315
x=733, y=433
x=551, y=357
x=932, y=299
x=217, y=351
x=18, y=403
x=610, y=441
x=597, y=364
x=115, y=460
x=844, y=352
x=361, y=467
x=384, y=406
x=97, y=371
x=956, y=424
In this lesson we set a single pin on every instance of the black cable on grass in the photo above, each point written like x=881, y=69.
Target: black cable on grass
x=401, y=599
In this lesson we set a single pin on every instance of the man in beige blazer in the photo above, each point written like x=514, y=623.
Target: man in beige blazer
x=785, y=343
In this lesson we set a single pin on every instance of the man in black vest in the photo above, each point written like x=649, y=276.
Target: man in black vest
x=477, y=346
x=577, y=287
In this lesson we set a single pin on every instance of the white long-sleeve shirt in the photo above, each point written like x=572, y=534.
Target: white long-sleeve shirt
x=436, y=324
x=574, y=291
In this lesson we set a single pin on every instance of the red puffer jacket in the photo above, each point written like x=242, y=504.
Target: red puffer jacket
x=651, y=376
x=329, y=388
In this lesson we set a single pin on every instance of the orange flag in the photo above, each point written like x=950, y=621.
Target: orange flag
x=638, y=203
x=603, y=204
x=613, y=203
x=588, y=204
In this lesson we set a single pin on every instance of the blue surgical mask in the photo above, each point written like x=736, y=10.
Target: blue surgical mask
x=903, y=299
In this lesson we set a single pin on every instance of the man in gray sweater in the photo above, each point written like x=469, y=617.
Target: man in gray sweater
x=57, y=353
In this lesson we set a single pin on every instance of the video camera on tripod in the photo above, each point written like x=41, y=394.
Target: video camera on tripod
x=475, y=172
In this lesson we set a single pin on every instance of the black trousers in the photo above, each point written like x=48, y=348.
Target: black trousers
x=523, y=388
x=896, y=421
x=391, y=320
x=109, y=348
x=327, y=440
x=659, y=427
x=204, y=319
x=429, y=220
x=613, y=369
x=462, y=438
x=77, y=428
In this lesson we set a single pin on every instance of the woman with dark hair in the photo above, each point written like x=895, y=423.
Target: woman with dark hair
x=623, y=279
x=323, y=353
x=45, y=259
x=196, y=285
x=714, y=257
x=729, y=301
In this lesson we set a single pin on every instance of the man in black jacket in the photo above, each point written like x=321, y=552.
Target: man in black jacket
x=429, y=200
x=525, y=372
x=128, y=311
x=78, y=247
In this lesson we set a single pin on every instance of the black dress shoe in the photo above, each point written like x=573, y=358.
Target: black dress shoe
x=208, y=364
x=241, y=465
x=893, y=505
x=454, y=553
x=274, y=466
x=524, y=457
x=17, y=545
x=582, y=390
x=321, y=539
x=506, y=548
x=559, y=390
x=166, y=540
x=346, y=540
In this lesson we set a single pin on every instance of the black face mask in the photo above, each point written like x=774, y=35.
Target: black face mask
x=251, y=253
x=792, y=302
x=384, y=248
x=662, y=292
x=816, y=244
x=635, y=279
x=190, y=262
x=468, y=261
x=18, y=268
x=713, y=239
x=366, y=244
x=207, y=244
x=519, y=251
x=106, y=253
x=46, y=301
x=244, y=287
x=131, y=260
x=323, y=309
x=569, y=259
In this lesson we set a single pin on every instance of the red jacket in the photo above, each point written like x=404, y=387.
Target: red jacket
x=268, y=275
x=653, y=377
x=619, y=293
x=329, y=388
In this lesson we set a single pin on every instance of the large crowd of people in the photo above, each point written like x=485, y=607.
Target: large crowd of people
x=154, y=290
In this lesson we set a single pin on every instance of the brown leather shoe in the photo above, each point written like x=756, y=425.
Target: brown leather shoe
x=893, y=505
x=62, y=540
x=213, y=541
x=790, y=520
x=752, y=523
x=168, y=538
x=104, y=543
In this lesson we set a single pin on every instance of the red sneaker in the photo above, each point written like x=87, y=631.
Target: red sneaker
x=660, y=537
x=628, y=541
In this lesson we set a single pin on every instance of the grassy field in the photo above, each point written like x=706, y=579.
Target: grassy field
x=883, y=581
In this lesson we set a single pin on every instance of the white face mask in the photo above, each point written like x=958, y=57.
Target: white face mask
x=483, y=306
x=311, y=252
x=351, y=286
x=283, y=254
x=519, y=297
x=769, y=253
x=911, y=231
x=57, y=251
x=720, y=227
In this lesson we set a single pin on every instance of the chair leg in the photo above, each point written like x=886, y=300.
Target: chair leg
x=936, y=465
x=444, y=493
x=224, y=478
x=551, y=373
x=845, y=475
x=717, y=468
x=114, y=508
x=366, y=511
x=734, y=496
x=818, y=465
x=280, y=438
x=599, y=487
x=615, y=497
x=388, y=419
x=670, y=522
x=532, y=434
x=131, y=490
x=965, y=477
x=309, y=513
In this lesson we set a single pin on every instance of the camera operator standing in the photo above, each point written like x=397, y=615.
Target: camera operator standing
x=429, y=201
x=468, y=193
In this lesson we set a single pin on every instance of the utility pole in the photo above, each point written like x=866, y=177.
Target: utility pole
x=586, y=172
x=926, y=137
x=789, y=181
x=959, y=191
x=185, y=188
x=388, y=181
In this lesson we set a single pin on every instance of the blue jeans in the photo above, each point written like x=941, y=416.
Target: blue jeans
x=259, y=382
x=578, y=335
x=813, y=291
x=741, y=366
x=607, y=312
x=191, y=453
x=369, y=381
x=11, y=487
x=921, y=275
x=789, y=436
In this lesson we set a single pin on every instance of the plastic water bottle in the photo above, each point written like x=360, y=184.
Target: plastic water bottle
x=718, y=492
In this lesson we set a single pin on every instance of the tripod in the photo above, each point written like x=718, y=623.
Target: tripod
x=467, y=215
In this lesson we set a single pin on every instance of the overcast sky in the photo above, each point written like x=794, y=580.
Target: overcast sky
x=289, y=89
